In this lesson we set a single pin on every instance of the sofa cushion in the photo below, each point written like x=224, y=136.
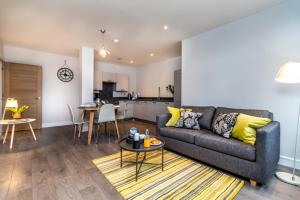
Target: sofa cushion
x=182, y=134
x=188, y=119
x=207, y=115
x=231, y=147
x=224, y=124
x=252, y=112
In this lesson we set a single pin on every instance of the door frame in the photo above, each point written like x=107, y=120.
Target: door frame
x=40, y=89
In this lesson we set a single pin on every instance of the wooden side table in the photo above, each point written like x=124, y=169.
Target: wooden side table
x=13, y=122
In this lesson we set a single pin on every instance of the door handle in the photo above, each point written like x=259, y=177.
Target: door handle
x=38, y=98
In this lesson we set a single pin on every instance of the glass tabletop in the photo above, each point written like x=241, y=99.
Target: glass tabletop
x=129, y=147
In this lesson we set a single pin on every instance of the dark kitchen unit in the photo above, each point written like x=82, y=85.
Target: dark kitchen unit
x=177, y=88
x=107, y=91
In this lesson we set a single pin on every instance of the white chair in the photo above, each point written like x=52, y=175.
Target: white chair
x=121, y=112
x=77, y=124
x=107, y=114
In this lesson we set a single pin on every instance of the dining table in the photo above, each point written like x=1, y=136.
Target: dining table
x=91, y=110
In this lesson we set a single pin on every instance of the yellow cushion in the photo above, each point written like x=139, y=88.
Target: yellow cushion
x=244, y=128
x=175, y=112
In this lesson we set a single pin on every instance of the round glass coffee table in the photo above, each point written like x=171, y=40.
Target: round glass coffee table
x=142, y=150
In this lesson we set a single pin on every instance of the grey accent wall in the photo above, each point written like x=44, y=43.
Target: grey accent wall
x=177, y=87
x=235, y=66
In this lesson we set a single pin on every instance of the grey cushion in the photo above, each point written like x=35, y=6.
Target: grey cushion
x=252, y=112
x=231, y=146
x=207, y=115
x=182, y=134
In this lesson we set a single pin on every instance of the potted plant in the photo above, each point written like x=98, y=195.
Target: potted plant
x=170, y=88
x=17, y=111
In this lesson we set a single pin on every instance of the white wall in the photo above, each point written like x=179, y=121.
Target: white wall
x=1, y=49
x=235, y=66
x=117, y=68
x=1, y=100
x=56, y=94
x=160, y=74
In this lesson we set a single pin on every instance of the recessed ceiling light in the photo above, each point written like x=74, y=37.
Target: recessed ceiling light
x=131, y=61
x=151, y=54
x=166, y=27
x=116, y=40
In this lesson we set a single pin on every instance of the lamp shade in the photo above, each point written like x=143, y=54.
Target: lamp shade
x=11, y=103
x=289, y=73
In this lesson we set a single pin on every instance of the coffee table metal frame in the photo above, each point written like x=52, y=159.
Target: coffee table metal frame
x=138, y=163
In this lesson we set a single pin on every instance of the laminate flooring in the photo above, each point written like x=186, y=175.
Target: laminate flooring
x=54, y=168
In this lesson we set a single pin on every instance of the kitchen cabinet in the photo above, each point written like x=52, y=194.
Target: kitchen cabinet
x=148, y=110
x=122, y=82
x=98, y=80
x=108, y=77
x=138, y=109
x=129, y=110
x=126, y=107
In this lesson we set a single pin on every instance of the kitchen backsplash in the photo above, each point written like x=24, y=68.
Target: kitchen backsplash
x=120, y=94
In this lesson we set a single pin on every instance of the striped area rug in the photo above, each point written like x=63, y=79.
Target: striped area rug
x=182, y=178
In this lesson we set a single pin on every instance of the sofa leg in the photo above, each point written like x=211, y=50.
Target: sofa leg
x=253, y=183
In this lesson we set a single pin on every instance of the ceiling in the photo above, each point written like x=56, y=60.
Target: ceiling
x=64, y=26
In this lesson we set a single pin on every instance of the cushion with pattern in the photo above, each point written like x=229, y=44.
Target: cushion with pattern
x=224, y=124
x=188, y=119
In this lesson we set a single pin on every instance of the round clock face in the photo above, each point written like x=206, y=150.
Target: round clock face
x=65, y=74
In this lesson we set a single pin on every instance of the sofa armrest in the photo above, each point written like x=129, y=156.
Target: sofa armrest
x=268, y=147
x=161, y=121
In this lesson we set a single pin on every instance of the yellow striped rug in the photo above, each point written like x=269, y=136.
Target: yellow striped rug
x=182, y=178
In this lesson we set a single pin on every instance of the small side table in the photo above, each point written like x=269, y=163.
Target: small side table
x=14, y=122
x=142, y=150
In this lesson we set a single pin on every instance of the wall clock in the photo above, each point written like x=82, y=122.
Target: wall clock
x=64, y=73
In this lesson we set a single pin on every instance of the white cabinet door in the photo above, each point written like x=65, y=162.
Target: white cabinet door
x=108, y=77
x=98, y=80
x=122, y=82
x=148, y=110
x=127, y=108
x=138, y=109
x=129, y=111
x=153, y=109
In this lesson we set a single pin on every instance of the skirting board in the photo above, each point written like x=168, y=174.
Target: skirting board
x=289, y=162
x=53, y=124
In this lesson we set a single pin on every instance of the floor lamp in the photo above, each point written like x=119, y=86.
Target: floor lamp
x=290, y=73
x=10, y=103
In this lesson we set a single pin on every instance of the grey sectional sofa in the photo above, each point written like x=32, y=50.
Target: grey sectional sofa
x=256, y=163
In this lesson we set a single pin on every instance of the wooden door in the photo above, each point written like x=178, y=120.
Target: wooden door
x=24, y=82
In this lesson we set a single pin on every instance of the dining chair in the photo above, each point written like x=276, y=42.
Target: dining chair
x=77, y=124
x=107, y=114
x=121, y=112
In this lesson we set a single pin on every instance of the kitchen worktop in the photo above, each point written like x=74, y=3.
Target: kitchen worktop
x=162, y=99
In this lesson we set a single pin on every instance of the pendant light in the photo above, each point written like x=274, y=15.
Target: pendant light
x=103, y=51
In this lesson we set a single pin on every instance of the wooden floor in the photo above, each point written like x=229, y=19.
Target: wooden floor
x=53, y=168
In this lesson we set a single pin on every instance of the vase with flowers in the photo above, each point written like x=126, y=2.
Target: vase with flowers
x=170, y=88
x=17, y=111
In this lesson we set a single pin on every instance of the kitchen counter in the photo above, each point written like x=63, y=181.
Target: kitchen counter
x=145, y=108
x=155, y=99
